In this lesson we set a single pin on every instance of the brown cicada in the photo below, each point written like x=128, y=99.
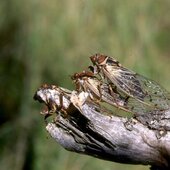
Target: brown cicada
x=108, y=93
x=104, y=92
x=55, y=98
x=134, y=85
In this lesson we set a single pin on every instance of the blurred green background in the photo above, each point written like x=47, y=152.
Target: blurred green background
x=46, y=41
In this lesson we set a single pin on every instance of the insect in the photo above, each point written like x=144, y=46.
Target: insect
x=55, y=98
x=134, y=85
x=88, y=82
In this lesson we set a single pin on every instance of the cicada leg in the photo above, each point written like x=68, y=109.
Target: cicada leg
x=51, y=110
x=114, y=94
x=61, y=108
x=100, y=92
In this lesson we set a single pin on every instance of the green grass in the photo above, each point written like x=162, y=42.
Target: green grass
x=45, y=42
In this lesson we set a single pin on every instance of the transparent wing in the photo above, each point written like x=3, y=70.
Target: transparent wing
x=104, y=92
x=156, y=94
x=125, y=81
x=109, y=94
x=136, y=86
x=135, y=106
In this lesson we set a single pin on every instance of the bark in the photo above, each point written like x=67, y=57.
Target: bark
x=83, y=126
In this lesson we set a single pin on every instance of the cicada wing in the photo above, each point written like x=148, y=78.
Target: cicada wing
x=130, y=104
x=108, y=93
x=156, y=94
x=92, y=85
x=104, y=93
x=112, y=97
x=139, y=87
x=100, y=90
x=138, y=108
x=125, y=80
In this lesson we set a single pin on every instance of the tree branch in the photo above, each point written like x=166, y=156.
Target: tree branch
x=83, y=126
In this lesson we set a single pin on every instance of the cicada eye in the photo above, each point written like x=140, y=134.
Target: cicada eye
x=77, y=75
x=93, y=58
x=98, y=59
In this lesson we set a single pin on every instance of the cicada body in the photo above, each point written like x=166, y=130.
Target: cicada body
x=134, y=85
x=55, y=98
x=104, y=92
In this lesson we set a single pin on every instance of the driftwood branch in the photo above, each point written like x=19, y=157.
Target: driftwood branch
x=82, y=126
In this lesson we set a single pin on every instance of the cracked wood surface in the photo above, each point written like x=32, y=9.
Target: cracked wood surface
x=83, y=124
x=85, y=127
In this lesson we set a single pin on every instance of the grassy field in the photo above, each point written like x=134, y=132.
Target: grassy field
x=46, y=42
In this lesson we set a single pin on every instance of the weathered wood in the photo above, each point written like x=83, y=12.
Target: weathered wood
x=82, y=124
x=85, y=128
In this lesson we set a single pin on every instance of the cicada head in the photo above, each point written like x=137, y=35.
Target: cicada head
x=101, y=60
x=54, y=97
x=43, y=93
x=82, y=75
x=98, y=59
x=79, y=78
x=75, y=76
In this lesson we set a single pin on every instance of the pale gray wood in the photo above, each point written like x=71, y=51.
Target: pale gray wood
x=88, y=130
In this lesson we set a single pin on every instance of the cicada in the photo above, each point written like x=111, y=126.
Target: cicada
x=108, y=93
x=134, y=85
x=88, y=82
x=55, y=98
x=104, y=92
